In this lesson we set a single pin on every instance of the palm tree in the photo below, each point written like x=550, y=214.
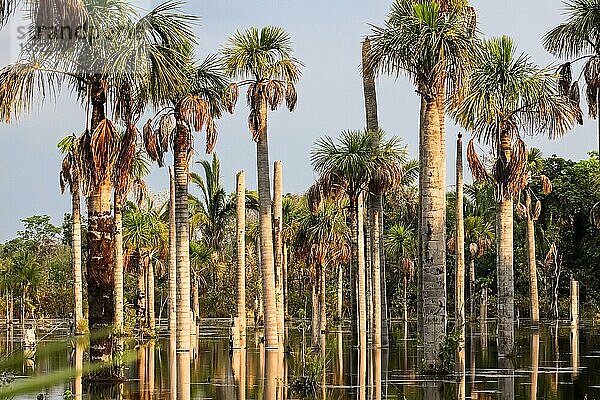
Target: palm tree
x=278, y=246
x=263, y=59
x=69, y=175
x=194, y=106
x=504, y=95
x=45, y=13
x=460, y=241
x=535, y=166
x=240, y=258
x=400, y=246
x=577, y=39
x=432, y=42
x=28, y=276
x=102, y=71
x=479, y=235
x=201, y=260
x=172, y=257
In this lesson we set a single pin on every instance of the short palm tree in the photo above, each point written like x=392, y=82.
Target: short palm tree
x=263, y=60
x=432, y=42
x=577, y=39
x=400, y=248
x=505, y=95
x=479, y=237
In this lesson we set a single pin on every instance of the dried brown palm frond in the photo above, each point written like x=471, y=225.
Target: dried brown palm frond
x=575, y=97
x=151, y=143
x=511, y=177
x=471, y=20
x=591, y=72
x=50, y=13
x=408, y=266
x=546, y=184
x=537, y=210
x=592, y=101
x=104, y=145
x=385, y=177
x=231, y=96
x=67, y=172
x=564, y=78
x=595, y=215
x=211, y=135
x=275, y=94
x=18, y=84
x=124, y=161
x=475, y=165
x=550, y=256
x=254, y=124
x=452, y=245
x=291, y=96
x=139, y=189
x=253, y=94
x=195, y=111
x=521, y=210
x=333, y=186
x=473, y=249
x=166, y=130
x=314, y=197
x=85, y=163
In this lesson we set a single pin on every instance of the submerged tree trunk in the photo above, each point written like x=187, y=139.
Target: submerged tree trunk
x=266, y=227
x=172, y=257
x=181, y=149
x=241, y=256
x=460, y=243
x=118, y=249
x=376, y=278
x=533, y=288
x=79, y=322
x=315, y=317
x=278, y=246
x=505, y=272
x=195, y=303
x=433, y=235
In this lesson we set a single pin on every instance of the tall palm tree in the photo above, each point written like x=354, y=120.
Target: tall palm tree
x=535, y=166
x=69, y=175
x=460, y=241
x=278, y=246
x=263, y=60
x=401, y=246
x=102, y=72
x=193, y=106
x=504, y=95
x=432, y=42
x=577, y=39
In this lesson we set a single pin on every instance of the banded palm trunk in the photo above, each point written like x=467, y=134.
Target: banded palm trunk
x=118, y=249
x=340, y=291
x=361, y=292
x=353, y=267
x=172, y=257
x=460, y=242
x=380, y=328
x=79, y=321
x=266, y=226
x=195, y=302
x=150, y=291
x=504, y=234
x=241, y=255
x=322, y=304
x=181, y=149
x=278, y=244
x=533, y=289
x=432, y=234
x=472, y=287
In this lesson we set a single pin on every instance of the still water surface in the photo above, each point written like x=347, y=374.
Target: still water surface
x=551, y=363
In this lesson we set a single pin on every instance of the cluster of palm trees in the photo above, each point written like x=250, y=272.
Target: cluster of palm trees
x=485, y=85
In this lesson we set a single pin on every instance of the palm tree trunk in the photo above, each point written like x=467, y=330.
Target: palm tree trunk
x=241, y=255
x=285, y=279
x=141, y=292
x=118, y=245
x=151, y=313
x=266, y=229
x=315, y=317
x=433, y=235
x=533, y=289
x=362, y=304
x=376, y=278
x=182, y=144
x=80, y=325
x=195, y=302
x=278, y=245
x=405, y=298
x=100, y=276
x=460, y=242
x=505, y=272
x=322, y=304
x=353, y=267
x=340, y=291
x=472, y=287
x=172, y=257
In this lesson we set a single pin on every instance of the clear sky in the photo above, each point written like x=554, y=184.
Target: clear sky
x=327, y=36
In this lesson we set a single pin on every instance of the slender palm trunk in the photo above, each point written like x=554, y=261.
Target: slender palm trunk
x=460, y=242
x=266, y=228
x=315, y=317
x=99, y=264
x=151, y=313
x=353, y=267
x=172, y=257
x=278, y=245
x=141, y=298
x=181, y=146
x=376, y=278
x=505, y=273
x=118, y=244
x=340, y=291
x=433, y=235
x=405, y=298
x=533, y=288
x=285, y=280
x=241, y=255
x=79, y=322
x=472, y=287
x=322, y=304
x=195, y=302
x=362, y=303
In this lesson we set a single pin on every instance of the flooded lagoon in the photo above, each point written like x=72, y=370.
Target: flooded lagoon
x=547, y=366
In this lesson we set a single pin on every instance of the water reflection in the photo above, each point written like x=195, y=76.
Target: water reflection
x=575, y=350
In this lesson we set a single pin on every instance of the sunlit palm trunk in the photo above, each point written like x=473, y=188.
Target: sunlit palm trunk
x=241, y=256
x=181, y=169
x=460, y=242
x=504, y=234
x=362, y=303
x=172, y=257
x=376, y=277
x=266, y=228
x=285, y=280
x=118, y=249
x=278, y=245
x=433, y=235
x=195, y=302
x=472, y=287
x=533, y=288
x=150, y=291
x=322, y=304
x=353, y=268
x=141, y=296
x=76, y=254
x=315, y=317
x=340, y=291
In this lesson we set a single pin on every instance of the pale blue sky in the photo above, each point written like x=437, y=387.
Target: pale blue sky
x=327, y=37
